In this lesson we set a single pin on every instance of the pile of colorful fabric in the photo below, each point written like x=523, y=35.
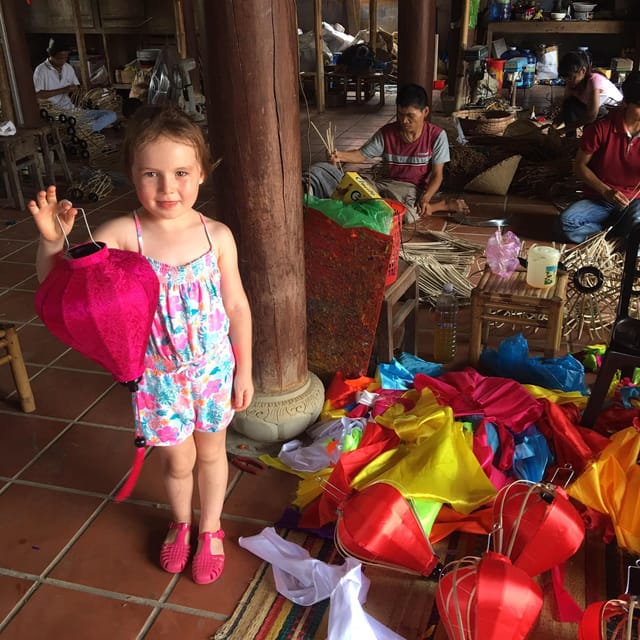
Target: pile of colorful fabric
x=400, y=461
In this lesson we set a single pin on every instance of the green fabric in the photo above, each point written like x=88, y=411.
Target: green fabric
x=373, y=214
x=426, y=511
x=473, y=14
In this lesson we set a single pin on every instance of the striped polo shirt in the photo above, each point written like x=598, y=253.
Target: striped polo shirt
x=408, y=161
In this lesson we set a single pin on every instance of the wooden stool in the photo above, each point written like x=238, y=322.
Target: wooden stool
x=366, y=86
x=399, y=309
x=17, y=151
x=48, y=136
x=495, y=298
x=9, y=341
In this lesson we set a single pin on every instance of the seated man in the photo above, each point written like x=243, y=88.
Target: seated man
x=413, y=153
x=608, y=162
x=55, y=80
x=588, y=94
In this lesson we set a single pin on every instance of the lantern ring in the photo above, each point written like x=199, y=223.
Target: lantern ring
x=581, y=278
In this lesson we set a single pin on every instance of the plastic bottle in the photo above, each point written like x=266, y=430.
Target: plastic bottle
x=529, y=72
x=514, y=66
x=444, y=333
x=499, y=10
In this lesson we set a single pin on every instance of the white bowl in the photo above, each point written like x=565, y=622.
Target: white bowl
x=583, y=7
x=558, y=16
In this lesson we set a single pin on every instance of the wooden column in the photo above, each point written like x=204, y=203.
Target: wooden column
x=181, y=38
x=253, y=113
x=352, y=8
x=19, y=69
x=416, y=42
x=317, y=30
x=82, y=49
x=373, y=23
x=462, y=45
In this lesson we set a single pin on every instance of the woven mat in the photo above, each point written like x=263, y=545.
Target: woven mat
x=405, y=603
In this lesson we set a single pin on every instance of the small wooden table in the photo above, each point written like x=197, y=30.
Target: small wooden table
x=399, y=309
x=496, y=299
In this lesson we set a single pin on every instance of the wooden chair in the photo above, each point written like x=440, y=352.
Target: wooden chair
x=17, y=152
x=623, y=351
x=13, y=356
x=512, y=301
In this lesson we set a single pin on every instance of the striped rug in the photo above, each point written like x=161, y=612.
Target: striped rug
x=406, y=604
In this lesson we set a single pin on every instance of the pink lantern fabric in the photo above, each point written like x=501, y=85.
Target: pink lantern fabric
x=101, y=302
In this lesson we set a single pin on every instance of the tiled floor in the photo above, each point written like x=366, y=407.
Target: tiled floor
x=73, y=564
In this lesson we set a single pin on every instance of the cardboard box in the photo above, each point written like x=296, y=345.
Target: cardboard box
x=354, y=187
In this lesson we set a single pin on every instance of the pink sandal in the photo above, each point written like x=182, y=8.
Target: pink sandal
x=174, y=555
x=207, y=567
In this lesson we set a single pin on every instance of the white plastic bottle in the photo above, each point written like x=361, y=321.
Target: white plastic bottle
x=444, y=333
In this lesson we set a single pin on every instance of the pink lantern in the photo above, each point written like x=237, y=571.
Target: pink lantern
x=101, y=302
x=487, y=599
x=537, y=527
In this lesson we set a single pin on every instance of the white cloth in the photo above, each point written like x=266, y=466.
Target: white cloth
x=7, y=128
x=306, y=580
x=47, y=78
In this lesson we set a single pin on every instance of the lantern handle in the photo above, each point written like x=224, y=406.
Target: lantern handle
x=566, y=468
x=628, y=588
x=86, y=224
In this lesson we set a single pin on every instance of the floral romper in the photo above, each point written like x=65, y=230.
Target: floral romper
x=189, y=364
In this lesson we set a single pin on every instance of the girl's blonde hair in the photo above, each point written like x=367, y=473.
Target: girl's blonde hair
x=151, y=122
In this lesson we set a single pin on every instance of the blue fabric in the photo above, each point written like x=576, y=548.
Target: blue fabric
x=99, y=118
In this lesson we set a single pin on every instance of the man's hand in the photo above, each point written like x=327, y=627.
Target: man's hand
x=423, y=208
x=616, y=197
x=334, y=157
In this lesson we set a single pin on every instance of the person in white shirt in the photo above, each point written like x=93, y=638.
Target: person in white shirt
x=56, y=81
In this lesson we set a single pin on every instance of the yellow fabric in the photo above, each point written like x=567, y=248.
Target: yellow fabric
x=439, y=466
x=611, y=485
x=310, y=487
x=559, y=397
x=426, y=417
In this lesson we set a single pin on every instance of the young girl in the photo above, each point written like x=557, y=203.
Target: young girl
x=198, y=360
x=588, y=94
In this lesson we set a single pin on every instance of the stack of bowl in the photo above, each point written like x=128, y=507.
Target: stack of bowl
x=583, y=10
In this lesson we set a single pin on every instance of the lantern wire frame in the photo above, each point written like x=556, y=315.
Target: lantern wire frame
x=463, y=618
x=595, y=270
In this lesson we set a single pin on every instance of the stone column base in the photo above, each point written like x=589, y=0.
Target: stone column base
x=280, y=417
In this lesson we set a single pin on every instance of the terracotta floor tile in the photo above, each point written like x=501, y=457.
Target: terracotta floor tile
x=85, y=458
x=27, y=254
x=38, y=345
x=23, y=436
x=171, y=625
x=66, y=394
x=37, y=523
x=23, y=229
x=240, y=567
x=122, y=537
x=9, y=246
x=54, y=612
x=16, y=306
x=11, y=590
x=14, y=273
x=262, y=496
x=113, y=409
x=75, y=360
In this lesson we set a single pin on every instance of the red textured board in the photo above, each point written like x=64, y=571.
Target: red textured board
x=346, y=271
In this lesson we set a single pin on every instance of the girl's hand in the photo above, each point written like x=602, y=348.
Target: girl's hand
x=242, y=393
x=45, y=209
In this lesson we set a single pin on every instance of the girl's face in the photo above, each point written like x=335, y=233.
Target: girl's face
x=575, y=78
x=167, y=175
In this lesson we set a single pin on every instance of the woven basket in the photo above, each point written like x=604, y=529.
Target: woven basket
x=483, y=122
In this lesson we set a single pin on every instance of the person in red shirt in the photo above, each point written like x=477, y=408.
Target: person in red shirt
x=413, y=153
x=608, y=163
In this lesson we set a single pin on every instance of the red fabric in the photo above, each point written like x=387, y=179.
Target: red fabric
x=134, y=474
x=377, y=525
x=342, y=392
x=448, y=520
x=615, y=159
x=102, y=304
x=615, y=418
x=375, y=440
x=468, y=392
x=572, y=444
x=567, y=609
x=485, y=455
